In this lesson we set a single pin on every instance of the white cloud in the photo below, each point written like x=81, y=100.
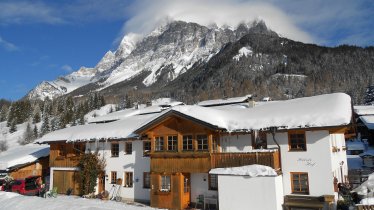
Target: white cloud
x=23, y=11
x=7, y=45
x=67, y=68
x=147, y=14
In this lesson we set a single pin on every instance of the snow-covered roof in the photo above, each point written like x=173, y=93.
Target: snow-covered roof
x=219, y=102
x=368, y=120
x=22, y=155
x=249, y=170
x=120, y=129
x=364, y=110
x=317, y=111
x=158, y=106
x=355, y=145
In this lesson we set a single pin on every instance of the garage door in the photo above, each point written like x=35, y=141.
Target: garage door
x=65, y=180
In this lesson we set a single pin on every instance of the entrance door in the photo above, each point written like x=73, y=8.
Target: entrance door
x=186, y=190
x=101, y=186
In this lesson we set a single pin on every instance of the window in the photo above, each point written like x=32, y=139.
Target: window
x=128, y=179
x=115, y=149
x=173, y=143
x=214, y=144
x=187, y=143
x=159, y=143
x=61, y=150
x=146, y=148
x=146, y=180
x=213, y=182
x=128, y=148
x=300, y=183
x=165, y=184
x=113, y=177
x=202, y=142
x=297, y=142
x=79, y=148
x=186, y=185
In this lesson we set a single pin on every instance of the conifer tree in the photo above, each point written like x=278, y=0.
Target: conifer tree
x=45, y=126
x=36, y=117
x=3, y=145
x=3, y=113
x=13, y=126
x=35, y=132
x=28, y=135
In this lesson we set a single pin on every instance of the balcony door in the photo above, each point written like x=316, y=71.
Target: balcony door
x=186, y=199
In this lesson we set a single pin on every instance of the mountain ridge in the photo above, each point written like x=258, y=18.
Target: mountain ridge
x=195, y=62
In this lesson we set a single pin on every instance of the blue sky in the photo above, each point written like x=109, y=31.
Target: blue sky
x=41, y=39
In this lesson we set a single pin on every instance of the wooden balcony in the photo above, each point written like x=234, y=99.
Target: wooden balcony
x=195, y=162
x=224, y=160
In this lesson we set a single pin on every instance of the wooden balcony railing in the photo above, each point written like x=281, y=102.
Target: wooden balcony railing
x=224, y=160
x=203, y=162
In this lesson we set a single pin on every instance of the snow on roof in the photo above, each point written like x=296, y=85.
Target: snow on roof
x=249, y=170
x=317, y=111
x=219, y=102
x=114, y=130
x=114, y=116
x=355, y=145
x=21, y=155
x=368, y=120
x=354, y=162
x=364, y=110
x=159, y=105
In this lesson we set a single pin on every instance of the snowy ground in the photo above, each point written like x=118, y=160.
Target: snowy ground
x=15, y=201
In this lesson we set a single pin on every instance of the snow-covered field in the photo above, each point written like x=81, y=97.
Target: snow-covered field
x=15, y=201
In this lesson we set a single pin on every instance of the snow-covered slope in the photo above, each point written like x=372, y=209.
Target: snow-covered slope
x=164, y=54
x=64, y=85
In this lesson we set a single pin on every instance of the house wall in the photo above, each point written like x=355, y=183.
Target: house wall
x=243, y=192
x=236, y=143
x=135, y=162
x=338, y=156
x=200, y=186
x=316, y=161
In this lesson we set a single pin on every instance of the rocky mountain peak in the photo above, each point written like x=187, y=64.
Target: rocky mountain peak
x=161, y=56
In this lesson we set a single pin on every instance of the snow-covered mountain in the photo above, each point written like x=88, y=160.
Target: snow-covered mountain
x=163, y=55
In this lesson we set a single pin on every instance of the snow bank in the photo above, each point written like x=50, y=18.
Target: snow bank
x=366, y=187
x=364, y=110
x=21, y=155
x=317, y=111
x=367, y=201
x=250, y=170
x=115, y=130
x=15, y=201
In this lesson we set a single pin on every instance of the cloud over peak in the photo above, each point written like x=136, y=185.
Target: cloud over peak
x=148, y=14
